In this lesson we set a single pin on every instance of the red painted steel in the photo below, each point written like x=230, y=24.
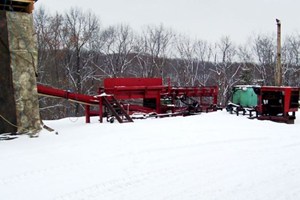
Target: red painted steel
x=78, y=98
x=133, y=88
x=278, y=103
x=114, y=82
x=54, y=92
x=150, y=90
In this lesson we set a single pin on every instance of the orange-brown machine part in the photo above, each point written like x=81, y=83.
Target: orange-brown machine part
x=26, y=6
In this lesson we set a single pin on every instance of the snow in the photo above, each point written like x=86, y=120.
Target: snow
x=209, y=156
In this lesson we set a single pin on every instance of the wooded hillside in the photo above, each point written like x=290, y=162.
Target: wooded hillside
x=77, y=52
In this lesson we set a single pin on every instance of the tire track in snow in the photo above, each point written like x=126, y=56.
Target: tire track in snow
x=115, y=189
x=72, y=166
x=44, y=172
x=126, y=187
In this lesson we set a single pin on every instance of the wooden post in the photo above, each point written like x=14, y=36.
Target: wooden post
x=278, y=70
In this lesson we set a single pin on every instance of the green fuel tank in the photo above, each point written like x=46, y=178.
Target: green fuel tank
x=244, y=95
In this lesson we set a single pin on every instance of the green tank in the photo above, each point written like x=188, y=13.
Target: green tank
x=244, y=95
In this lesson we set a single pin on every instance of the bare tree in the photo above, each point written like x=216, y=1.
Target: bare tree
x=291, y=60
x=225, y=69
x=264, y=50
x=246, y=60
x=154, y=50
x=203, y=55
x=188, y=64
x=50, y=71
x=79, y=28
x=42, y=22
x=118, y=48
x=193, y=57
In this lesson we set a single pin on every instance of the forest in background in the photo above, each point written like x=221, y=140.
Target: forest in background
x=76, y=53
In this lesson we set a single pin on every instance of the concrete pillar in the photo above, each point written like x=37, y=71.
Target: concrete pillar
x=19, y=107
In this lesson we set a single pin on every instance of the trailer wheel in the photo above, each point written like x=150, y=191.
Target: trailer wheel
x=111, y=120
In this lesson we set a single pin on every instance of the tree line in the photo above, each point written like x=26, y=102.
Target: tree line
x=76, y=53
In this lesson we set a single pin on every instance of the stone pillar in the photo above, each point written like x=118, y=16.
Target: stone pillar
x=18, y=93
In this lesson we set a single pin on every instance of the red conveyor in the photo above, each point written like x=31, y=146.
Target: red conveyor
x=66, y=94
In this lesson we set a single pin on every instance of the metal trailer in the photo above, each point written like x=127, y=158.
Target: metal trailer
x=277, y=103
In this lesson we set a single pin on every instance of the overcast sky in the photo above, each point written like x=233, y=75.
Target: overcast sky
x=203, y=19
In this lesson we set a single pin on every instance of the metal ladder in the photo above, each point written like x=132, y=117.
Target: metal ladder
x=116, y=109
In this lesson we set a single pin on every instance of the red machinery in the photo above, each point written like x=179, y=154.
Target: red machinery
x=277, y=103
x=158, y=98
x=123, y=96
x=88, y=101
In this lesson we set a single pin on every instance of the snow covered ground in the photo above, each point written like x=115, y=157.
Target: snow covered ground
x=208, y=156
